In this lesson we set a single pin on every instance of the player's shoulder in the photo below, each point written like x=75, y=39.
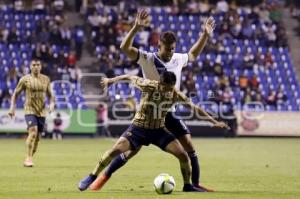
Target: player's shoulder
x=25, y=77
x=179, y=55
x=145, y=54
x=179, y=94
x=146, y=82
x=45, y=77
x=153, y=83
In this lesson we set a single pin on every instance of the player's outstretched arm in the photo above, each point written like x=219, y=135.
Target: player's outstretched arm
x=20, y=87
x=180, y=97
x=142, y=20
x=105, y=82
x=197, y=48
x=210, y=118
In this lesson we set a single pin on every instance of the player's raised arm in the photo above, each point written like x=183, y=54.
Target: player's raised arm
x=20, y=87
x=180, y=97
x=142, y=20
x=199, y=45
x=51, y=97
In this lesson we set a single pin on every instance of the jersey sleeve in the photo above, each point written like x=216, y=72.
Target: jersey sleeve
x=184, y=59
x=143, y=57
x=21, y=85
x=182, y=98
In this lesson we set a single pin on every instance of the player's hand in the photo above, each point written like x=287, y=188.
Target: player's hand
x=142, y=19
x=11, y=113
x=210, y=25
x=221, y=125
x=104, y=83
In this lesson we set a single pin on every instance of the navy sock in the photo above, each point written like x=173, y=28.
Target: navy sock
x=115, y=164
x=195, y=167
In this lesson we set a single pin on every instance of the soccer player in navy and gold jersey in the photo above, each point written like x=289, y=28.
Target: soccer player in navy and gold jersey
x=36, y=86
x=152, y=64
x=148, y=126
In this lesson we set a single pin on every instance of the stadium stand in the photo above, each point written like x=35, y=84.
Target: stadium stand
x=247, y=60
x=38, y=32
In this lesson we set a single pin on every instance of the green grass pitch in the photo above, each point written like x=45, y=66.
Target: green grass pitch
x=239, y=168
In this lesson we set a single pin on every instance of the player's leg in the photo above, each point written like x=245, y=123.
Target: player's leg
x=176, y=149
x=168, y=143
x=182, y=133
x=36, y=143
x=114, y=165
x=120, y=161
x=120, y=146
x=59, y=137
x=32, y=127
x=128, y=141
x=136, y=137
x=40, y=129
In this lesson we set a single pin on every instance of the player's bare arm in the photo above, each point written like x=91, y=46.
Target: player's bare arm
x=20, y=87
x=105, y=82
x=142, y=20
x=51, y=97
x=197, y=48
x=182, y=98
x=210, y=118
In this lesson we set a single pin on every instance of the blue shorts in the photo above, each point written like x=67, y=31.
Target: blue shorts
x=176, y=126
x=33, y=120
x=138, y=136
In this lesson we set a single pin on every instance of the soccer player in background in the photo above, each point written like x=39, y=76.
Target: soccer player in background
x=153, y=63
x=148, y=126
x=36, y=86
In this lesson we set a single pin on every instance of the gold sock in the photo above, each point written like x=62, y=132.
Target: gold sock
x=36, y=143
x=30, y=145
x=104, y=161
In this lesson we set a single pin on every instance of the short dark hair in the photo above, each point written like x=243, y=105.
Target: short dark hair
x=168, y=78
x=35, y=60
x=168, y=37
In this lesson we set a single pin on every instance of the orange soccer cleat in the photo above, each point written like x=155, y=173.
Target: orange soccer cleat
x=99, y=182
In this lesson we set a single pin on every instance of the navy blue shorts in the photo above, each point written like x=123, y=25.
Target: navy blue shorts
x=176, y=126
x=33, y=120
x=138, y=136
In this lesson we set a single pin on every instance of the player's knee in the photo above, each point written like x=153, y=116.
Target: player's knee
x=186, y=142
x=129, y=154
x=33, y=131
x=115, y=151
x=183, y=157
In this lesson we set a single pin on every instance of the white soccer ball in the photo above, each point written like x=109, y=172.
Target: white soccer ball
x=164, y=183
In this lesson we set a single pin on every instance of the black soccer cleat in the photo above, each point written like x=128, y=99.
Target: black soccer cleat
x=191, y=188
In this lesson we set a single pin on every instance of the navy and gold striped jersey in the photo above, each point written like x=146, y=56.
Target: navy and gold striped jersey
x=155, y=103
x=36, y=89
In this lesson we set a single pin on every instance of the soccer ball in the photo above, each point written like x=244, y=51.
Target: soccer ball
x=164, y=183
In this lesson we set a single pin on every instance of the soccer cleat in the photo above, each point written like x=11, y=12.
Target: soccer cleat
x=28, y=163
x=204, y=188
x=191, y=188
x=99, y=182
x=85, y=182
